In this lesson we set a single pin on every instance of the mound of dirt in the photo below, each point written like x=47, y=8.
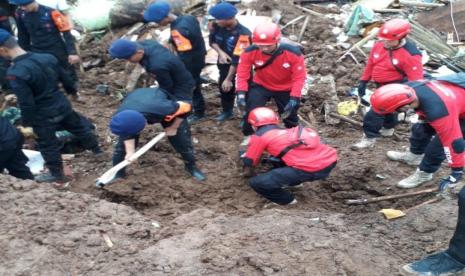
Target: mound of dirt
x=63, y=233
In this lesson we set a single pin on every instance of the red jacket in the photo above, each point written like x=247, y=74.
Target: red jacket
x=286, y=73
x=442, y=104
x=274, y=139
x=380, y=67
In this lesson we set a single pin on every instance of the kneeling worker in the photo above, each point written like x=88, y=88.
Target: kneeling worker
x=152, y=105
x=303, y=156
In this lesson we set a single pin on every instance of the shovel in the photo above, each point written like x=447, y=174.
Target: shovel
x=389, y=197
x=109, y=175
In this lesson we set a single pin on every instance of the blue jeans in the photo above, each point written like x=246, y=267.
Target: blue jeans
x=270, y=184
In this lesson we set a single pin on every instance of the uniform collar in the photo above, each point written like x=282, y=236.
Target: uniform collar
x=21, y=57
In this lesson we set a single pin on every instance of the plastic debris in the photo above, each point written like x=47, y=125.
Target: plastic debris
x=392, y=213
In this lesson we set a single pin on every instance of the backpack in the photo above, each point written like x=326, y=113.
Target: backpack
x=301, y=137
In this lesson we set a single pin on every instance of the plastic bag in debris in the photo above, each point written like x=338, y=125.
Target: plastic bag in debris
x=359, y=17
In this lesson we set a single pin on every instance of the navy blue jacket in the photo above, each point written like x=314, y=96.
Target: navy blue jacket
x=169, y=71
x=227, y=39
x=34, y=79
x=189, y=27
x=8, y=135
x=37, y=32
x=153, y=103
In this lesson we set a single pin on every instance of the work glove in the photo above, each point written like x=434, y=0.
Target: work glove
x=290, y=107
x=451, y=180
x=240, y=100
x=362, y=87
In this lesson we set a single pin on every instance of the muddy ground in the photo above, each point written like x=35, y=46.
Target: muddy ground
x=160, y=221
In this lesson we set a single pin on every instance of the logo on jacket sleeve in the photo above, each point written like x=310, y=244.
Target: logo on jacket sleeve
x=286, y=65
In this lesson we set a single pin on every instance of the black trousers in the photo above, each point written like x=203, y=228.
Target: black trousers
x=423, y=139
x=15, y=161
x=373, y=122
x=457, y=243
x=258, y=96
x=270, y=184
x=181, y=142
x=50, y=146
x=227, y=98
x=194, y=65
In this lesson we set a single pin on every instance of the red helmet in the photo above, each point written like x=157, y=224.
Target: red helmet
x=388, y=98
x=266, y=34
x=394, y=29
x=262, y=116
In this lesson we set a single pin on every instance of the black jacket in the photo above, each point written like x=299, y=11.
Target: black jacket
x=168, y=70
x=37, y=32
x=153, y=103
x=8, y=135
x=34, y=79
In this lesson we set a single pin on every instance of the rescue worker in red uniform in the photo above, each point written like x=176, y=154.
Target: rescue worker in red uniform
x=279, y=74
x=228, y=38
x=394, y=59
x=441, y=103
x=303, y=156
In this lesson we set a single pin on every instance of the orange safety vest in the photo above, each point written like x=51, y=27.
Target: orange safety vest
x=61, y=21
x=182, y=44
x=242, y=43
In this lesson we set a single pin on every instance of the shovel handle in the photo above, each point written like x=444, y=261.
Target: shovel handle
x=109, y=175
x=389, y=197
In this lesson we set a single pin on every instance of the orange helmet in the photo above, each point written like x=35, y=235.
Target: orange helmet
x=388, y=98
x=262, y=116
x=394, y=29
x=266, y=34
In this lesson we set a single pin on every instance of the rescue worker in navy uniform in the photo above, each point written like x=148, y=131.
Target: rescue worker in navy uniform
x=153, y=105
x=441, y=103
x=279, y=74
x=34, y=79
x=169, y=71
x=228, y=38
x=187, y=41
x=42, y=29
x=303, y=156
x=12, y=157
x=394, y=59
x=4, y=64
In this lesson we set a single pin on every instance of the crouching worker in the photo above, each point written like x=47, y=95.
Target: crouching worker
x=12, y=157
x=304, y=157
x=152, y=105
